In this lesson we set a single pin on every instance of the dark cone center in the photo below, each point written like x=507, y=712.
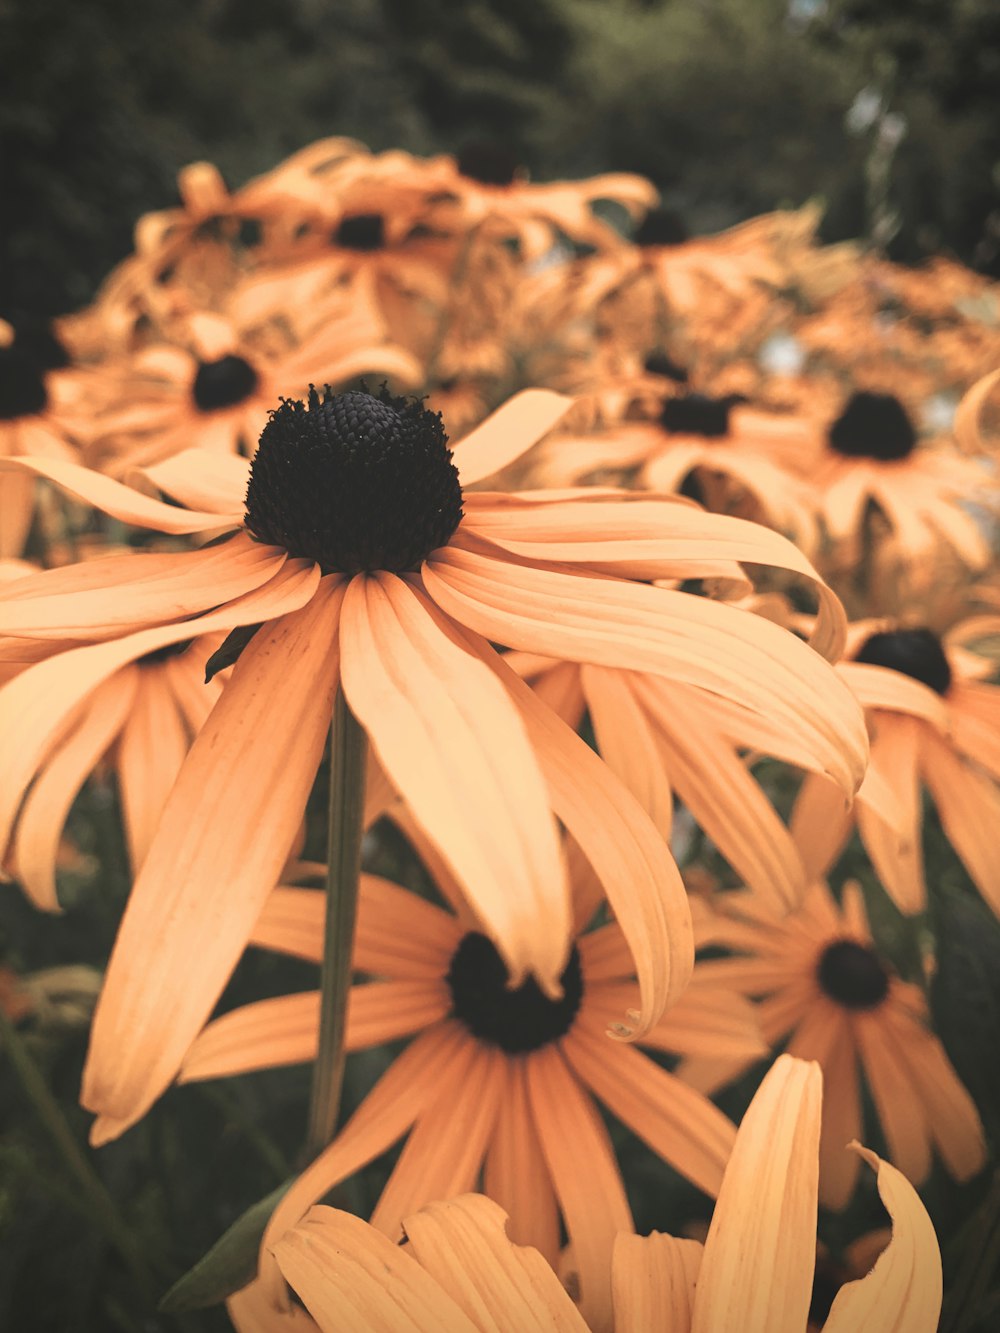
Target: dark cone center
x=22, y=385
x=166, y=653
x=661, y=226
x=361, y=231
x=223, y=383
x=914, y=652
x=658, y=363
x=852, y=975
x=515, y=1020
x=356, y=482
x=873, y=425
x=488, y=163
x=696, y=414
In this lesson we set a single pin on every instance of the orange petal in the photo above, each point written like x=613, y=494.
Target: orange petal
x=35, y=705
x=203, y=479
x=593, y=1201
x=900, y=1110
x=452, y=744
x=40, y=825
x=896, y=851
x=192, y=908
x=503, y=1287
x=349, y=1276
x=757, y=1270
x=121, y=502
x=626, y=742
x=825, y=1035
x=881, y=687
x=711, y=1022
x=444, y=1154
x=821, y=823
x=285, y=1030
x=969, y=805
x=151, y=749
x=966, y=425
x=902, y=1293
x=694, y=640
x=104, y=598
x=508, y=433
x=653, y=539
x=516, y=1174
x=653, y=1282
x=679, y=1124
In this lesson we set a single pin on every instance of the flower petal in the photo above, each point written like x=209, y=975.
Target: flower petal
x=463, y=1245
x=104, y=598
x=151, y=749
x=896, y=852
x=44, y=813
x=679, y=1124
x=121, y=502
x=35, y=705
x=508, y=433
x=516, y=1174
x=198, y=894
x=593, y=1201
x=653, y=1281
x=349, y=1276
x=204, y=479
x=757, y=1269
x=968, y=803
x=626, y=742
x=452, y=744
x=902, y=1293
x=712, y=1022
x=695, y=640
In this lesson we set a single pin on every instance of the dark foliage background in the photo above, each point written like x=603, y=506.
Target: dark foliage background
x=732, y=107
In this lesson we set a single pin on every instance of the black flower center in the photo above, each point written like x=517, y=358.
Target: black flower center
x=488, y=163
x=164, y=654
x=223, y=383
x=658, y=363
x=873, y=425
x=696, y=414
x=515, y=1020
x=852, y=975
x=661, y=226
x=361, y=231
x=354, y=481
x=22, y=385
x=914, y=652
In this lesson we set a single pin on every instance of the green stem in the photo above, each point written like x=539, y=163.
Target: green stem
x=348, y=752
x=101, y=1206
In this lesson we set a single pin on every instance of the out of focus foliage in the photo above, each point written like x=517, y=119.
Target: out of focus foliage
x=883, y=108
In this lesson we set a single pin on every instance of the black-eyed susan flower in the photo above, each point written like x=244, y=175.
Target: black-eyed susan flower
x=497, y=1079
x=368, y=568
x=832, y=993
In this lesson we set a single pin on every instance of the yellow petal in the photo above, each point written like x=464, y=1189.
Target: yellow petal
x=198, y=894
x=757, y=1270
x=902, y=1293
x=653, y=1282
x=508, y=433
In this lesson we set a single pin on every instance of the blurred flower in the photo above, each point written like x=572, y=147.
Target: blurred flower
x=935, y=723
x=826, y=983
x=496, y=1075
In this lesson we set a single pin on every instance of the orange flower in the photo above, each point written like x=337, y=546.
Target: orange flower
x=827, y=985
x=496, y=1075
x=210, y=387
x=357, y=561
x=37, y=420
x=935, y=723
x=458, y=1270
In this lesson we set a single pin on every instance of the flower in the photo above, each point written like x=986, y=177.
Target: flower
x=458, y=1270
x=143, y=714
x=210, y=386
x=358, y=560
x=935, y=723
x=496, y=1075
x=827, y=984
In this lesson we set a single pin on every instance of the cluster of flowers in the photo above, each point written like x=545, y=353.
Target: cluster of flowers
x=613, y=426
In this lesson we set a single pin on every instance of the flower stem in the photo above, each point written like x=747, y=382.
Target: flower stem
x=99, y=1203
x=348, y=752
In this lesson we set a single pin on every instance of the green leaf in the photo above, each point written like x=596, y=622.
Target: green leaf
x=225, y=656
x=229, y=1265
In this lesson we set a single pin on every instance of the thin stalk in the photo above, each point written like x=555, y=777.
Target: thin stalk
x=348, y=752
x=100, y=1205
